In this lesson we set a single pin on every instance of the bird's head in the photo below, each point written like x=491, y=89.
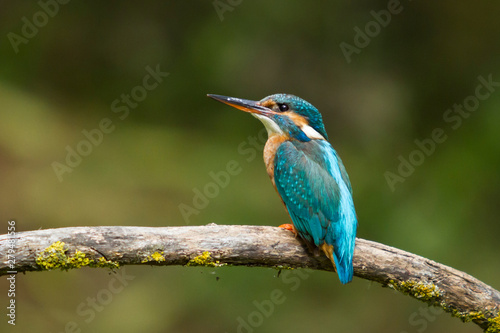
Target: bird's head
x=283, y=114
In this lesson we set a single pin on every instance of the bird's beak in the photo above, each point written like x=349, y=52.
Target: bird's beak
x=242, y=104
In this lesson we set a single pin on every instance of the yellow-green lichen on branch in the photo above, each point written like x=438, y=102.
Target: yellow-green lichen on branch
x=204, y=259
x=470, y=316
x=463, y=316
x=430, y=293
x=104, y=263
x=494, y=324
x=424, y=291
x=55, y=257
x=157, y=256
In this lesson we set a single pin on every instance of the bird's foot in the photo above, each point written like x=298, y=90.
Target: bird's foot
x=289, y=227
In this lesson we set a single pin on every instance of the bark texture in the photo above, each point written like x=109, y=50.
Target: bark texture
x=213, y=245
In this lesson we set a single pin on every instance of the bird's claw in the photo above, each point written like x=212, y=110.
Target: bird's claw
x=289, y=227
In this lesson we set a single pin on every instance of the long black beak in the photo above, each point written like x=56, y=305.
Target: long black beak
x=242, y=104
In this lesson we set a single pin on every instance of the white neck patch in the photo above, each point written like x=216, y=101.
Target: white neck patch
x=311, y=133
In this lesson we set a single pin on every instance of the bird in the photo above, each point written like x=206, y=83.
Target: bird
x=308, y=175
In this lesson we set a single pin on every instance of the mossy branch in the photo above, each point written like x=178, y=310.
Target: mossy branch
x=217, y=245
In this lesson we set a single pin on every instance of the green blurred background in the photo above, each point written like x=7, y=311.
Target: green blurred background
x=394, y=90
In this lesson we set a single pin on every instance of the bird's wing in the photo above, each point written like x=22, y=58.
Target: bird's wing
x=315, y=188
x=310, y=193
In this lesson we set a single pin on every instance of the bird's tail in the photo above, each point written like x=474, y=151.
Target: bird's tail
x=343, y=267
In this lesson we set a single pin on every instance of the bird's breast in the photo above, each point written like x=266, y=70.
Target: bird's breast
x=270, y=149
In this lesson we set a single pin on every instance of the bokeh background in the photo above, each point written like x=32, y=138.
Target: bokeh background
x=62, y=78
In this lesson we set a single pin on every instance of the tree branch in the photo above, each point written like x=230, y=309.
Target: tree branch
x=214, y=245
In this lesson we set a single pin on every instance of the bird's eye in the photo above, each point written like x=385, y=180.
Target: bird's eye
x=283, y=107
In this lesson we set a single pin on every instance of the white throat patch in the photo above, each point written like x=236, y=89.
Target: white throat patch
x=271, y=126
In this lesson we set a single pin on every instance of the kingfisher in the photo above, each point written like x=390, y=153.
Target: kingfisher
x=308, y=175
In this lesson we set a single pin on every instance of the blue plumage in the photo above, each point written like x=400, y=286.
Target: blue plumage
x=316, y=191
x=308, y=175
x=303, y=108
